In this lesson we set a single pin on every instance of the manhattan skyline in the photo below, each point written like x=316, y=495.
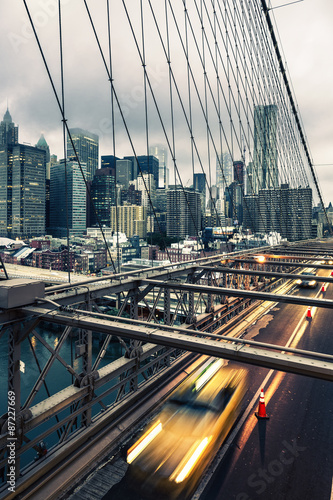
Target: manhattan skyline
x=33, y=106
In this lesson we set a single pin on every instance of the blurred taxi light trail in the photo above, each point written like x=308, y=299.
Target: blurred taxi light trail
x=208, y=374
x=147, y=438
x=193, y=460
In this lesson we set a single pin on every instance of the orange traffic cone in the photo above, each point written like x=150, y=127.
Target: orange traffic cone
x=309, y=313
x=332, y=273
x=323, y=288
x=262, y=408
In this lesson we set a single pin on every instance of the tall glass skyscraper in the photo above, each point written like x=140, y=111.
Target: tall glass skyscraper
x=161, y=153
x=8, y=131
x=224, y=171
x=86, y=145
x=22, y=190
x=183, y=212
x=103, y=194
x=265, y=164
x=76, y=199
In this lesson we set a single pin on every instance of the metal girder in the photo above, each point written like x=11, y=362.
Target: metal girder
x=289, y=253
x=244, y=354
x=285, y=263
x=54, y=404
x=233, y=292
x=166, y=308
x=269, y=274
x=55, y=355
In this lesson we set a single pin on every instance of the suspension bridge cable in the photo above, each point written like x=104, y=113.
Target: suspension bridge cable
x=64, y=119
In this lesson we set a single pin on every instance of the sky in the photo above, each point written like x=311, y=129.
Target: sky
x=304, y=29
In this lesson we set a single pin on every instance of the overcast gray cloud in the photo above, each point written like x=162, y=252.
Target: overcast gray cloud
x=306, y=34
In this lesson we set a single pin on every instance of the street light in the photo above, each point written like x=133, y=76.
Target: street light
x=260, y=258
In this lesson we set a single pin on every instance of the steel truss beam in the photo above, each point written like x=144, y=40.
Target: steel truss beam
x=286, y=263
x=244, y=354
x=268, y=274
x=248, y=294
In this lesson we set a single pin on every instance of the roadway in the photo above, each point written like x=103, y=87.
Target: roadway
x=47, y=275
x=289, y=456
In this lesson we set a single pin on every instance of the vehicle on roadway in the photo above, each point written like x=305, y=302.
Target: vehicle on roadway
x=169, y=458
x=307, y=281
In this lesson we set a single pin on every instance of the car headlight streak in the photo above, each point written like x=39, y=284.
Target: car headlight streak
x=208, y=374
x=140, y=445
x=193, y=460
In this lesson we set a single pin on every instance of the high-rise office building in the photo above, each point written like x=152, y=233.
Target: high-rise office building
x=183, y=212
x=145, y=164
x=250, y=212
x=239, y=172
x=269, y=214
x=249, y=187
x=199, y=184
x=42, y=144
x=224, y=171
x=74, y=208
x=213, y=197
x=161, y=200
x=130, y=196
x=146, y=184
x=265, y=158
x=103, y=196
x=234, y=203
x=22, y=191
x=296, y=213
x=161, y=153
x=132, y=220
x=285, y=210
x=124, y=172
x=108, y=161
x=8, y=131
x=86, y=146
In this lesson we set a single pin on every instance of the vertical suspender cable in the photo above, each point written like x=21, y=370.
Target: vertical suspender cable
x=64, y=139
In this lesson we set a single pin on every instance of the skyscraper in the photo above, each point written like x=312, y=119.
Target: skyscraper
x=124, y=172
x=199, y=184
x=285, y=210
x=148, y=164
x=42, y=144
x=8, y=131
x=103, y=195
x=22, y=190
x=86, y=146
x=234, y=203
x=224, y=170
x=239, y=172
x=108, y=161
x=76, y=199
x=146, y=184
x=183, y=212
x=265, y=164
x=132, y=220
x=145, y=164
x=296, y=213
x=161, y=153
